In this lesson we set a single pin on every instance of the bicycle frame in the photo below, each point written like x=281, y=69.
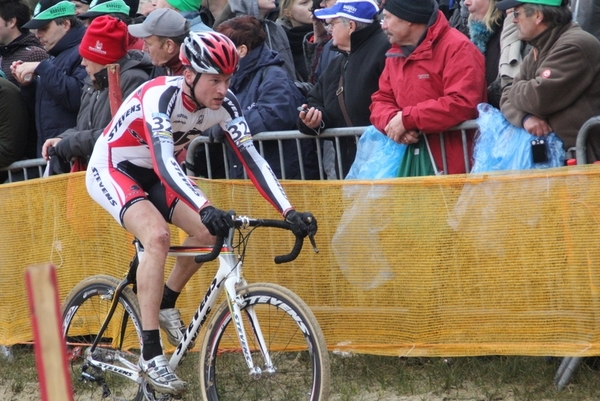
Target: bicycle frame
x=228, y=277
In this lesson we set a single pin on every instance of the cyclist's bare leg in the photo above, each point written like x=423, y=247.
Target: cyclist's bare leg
x=145, y=222
x=148, y=225
x=189, y=221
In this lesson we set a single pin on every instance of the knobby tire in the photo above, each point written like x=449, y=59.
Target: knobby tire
x=83, y=312
x=296, y=345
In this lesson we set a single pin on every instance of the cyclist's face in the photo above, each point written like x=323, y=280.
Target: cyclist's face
x=211, y=89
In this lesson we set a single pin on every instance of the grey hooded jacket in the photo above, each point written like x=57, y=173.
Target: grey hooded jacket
x=94, y=114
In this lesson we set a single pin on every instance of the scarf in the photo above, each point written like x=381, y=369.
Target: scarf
x=480, y=34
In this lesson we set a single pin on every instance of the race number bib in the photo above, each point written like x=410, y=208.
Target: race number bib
x=238, y=131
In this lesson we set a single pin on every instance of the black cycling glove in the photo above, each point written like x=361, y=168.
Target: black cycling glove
x=303, y=224
x=217, y=221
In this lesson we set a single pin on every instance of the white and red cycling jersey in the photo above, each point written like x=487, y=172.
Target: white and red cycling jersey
x=134, y=158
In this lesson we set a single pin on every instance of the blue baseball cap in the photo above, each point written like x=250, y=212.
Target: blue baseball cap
x=356, y=10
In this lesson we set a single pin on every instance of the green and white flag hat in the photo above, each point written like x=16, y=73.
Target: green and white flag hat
x=48, y=10
x=103, y=7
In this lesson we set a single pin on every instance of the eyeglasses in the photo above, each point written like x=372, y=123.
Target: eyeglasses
x=523, y=10
x=331, y=23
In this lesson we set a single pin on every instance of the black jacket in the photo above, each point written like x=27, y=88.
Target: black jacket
x=361, y=69
x=55, y=94
x=14, y=120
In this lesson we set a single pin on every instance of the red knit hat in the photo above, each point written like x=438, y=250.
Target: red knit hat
x=105, y=40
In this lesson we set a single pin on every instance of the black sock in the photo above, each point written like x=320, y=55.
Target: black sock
x=169, y=298
x=151, y=347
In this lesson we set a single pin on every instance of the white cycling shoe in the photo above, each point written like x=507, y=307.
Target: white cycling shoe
x=171, y=323
x=159, y=374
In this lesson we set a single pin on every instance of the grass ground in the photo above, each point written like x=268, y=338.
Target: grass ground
x=375, y=378
x=372, y=378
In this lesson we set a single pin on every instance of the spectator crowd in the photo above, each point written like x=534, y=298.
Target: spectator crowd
x=410, y=68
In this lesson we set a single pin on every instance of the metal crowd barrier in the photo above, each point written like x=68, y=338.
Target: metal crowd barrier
x=34, y=168
x=24, y=170
x=582, y=137
x=333, y=133
x=279, y=136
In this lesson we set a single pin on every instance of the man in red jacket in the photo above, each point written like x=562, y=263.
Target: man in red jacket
x=433, y=79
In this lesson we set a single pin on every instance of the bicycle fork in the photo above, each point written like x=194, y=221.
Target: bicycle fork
x=234, y=301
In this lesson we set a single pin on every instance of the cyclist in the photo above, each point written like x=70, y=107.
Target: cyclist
x=133, y=174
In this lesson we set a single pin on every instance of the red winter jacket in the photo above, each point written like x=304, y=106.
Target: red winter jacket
x=438, y=86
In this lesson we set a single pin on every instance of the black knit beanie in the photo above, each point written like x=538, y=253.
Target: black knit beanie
x=417, y=11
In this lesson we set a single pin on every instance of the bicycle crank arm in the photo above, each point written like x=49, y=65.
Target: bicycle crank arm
x=132, y=373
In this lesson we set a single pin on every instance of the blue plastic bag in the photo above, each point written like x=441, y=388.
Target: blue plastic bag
x=377, y=156
x=499, y=145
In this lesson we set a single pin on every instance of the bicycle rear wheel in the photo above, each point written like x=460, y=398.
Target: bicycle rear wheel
x=292, y=335
x=84, y=311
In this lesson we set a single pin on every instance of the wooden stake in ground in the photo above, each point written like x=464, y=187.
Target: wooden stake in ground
x=115, y=95
x=46, y=322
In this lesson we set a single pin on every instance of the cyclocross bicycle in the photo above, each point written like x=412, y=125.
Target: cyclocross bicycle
x=262, y=343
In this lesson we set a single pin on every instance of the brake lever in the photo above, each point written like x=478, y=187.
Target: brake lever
x=312, y=238
x=313, y=243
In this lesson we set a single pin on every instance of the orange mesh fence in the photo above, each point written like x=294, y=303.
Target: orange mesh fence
x=433, y=266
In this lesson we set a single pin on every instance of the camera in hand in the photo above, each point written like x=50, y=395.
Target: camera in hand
x=539, y=150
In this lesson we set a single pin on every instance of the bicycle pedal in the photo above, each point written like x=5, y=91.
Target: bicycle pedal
x=152, y=395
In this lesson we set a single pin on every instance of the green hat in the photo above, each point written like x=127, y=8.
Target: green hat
x=185, y=5
x=48, y=10
x=103, y=7
x=506, y=4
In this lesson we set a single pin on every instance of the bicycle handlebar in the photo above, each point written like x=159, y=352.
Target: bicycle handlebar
x=214, y=253
x=242, y=222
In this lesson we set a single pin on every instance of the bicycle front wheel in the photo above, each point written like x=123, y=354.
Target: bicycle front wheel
x=84, y=311
x=293, y=337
